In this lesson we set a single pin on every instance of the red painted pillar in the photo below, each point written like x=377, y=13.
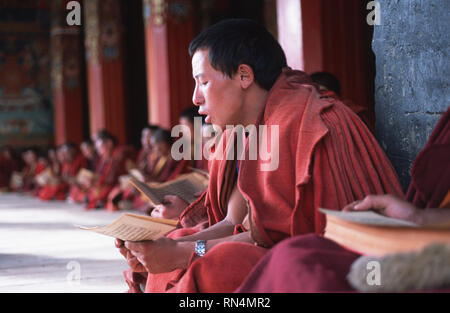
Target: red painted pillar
x=313, y=37
x=332, y=36
x=105, y=67
x=169, y=28
x=67, y=87
x=300, y=33
x=290, y=35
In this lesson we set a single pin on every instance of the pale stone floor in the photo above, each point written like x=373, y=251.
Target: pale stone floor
x=42, y=251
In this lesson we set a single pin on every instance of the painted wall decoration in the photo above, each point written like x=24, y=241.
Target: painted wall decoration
x=25, y=94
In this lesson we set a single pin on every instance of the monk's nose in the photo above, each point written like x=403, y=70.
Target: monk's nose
x=197, y=98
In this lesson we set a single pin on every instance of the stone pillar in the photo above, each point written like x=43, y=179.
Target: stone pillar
x=105, y=67
x=412, y=81
x=67, y=86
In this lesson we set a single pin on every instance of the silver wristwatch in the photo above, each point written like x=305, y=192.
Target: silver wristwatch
x=200, y=247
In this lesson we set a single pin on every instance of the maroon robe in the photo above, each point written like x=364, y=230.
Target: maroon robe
x=316, y=264
x=60, y=190
x=7, y=167
x=108, y=172
x=327, y=158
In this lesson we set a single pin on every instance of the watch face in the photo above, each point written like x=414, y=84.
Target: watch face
x=200, y=247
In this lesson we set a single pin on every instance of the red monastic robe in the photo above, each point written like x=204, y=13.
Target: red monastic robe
x=68, y=170
x=7, y=167
x=108, y=172
x=360, y=110
x=316, y=264
x=327, y=158
x=30, y=172
x=130, y=193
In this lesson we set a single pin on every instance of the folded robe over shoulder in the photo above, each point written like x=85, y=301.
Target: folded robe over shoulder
x=327, y=158
x=316, y=264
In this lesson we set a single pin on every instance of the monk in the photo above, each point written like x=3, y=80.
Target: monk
x=329, y=86
x=146, y=149
x=164, y=167
x=128, y=198
x=9, y=163
x=173, y=205
x=88, y=151
x=187, y=118
x=71, y=162
x=327, y=158
x=316, y=264
x=34, y=165
x=109, y=167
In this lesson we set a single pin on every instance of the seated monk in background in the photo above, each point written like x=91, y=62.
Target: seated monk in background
x=329, y=86
x=187, y=118
x=78, y=190
x=33, y=167
x=110, y=166
x=316, y=264
x=88, y=151
x=9, y=163
x=164, y=167
x=326, y=158
x=173, y=205
x=94, y=191
x=71, y=162
x=128, y=198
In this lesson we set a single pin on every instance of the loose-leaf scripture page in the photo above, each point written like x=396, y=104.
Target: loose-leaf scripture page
x=133, y=227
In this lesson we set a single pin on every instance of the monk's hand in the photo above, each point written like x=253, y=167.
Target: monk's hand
x=132, y=261
x=388, y=205
x=172, y=208
x=159, y=256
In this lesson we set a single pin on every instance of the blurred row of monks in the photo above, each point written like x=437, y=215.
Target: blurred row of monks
x=91, y=173
x=94, y=173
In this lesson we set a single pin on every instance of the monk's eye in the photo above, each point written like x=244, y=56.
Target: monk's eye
x=203, y=83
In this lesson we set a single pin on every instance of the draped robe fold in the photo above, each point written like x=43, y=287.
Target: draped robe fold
x=315, y=264
x=327, y=158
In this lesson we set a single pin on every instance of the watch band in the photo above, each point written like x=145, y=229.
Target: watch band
x=200, y=247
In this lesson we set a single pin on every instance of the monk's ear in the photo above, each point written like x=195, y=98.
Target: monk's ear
x=245, y=75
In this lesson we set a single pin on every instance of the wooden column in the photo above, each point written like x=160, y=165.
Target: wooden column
x=169, y=28
x=105, y=67
x=332, y=36
x=67, y=87
x=290, y=35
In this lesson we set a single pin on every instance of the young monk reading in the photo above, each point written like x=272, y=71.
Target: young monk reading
x=327, y=158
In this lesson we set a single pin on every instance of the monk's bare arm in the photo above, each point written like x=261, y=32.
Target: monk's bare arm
x=396, y=207
x=432, y=216
x=164, y=254
x=236, y=212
